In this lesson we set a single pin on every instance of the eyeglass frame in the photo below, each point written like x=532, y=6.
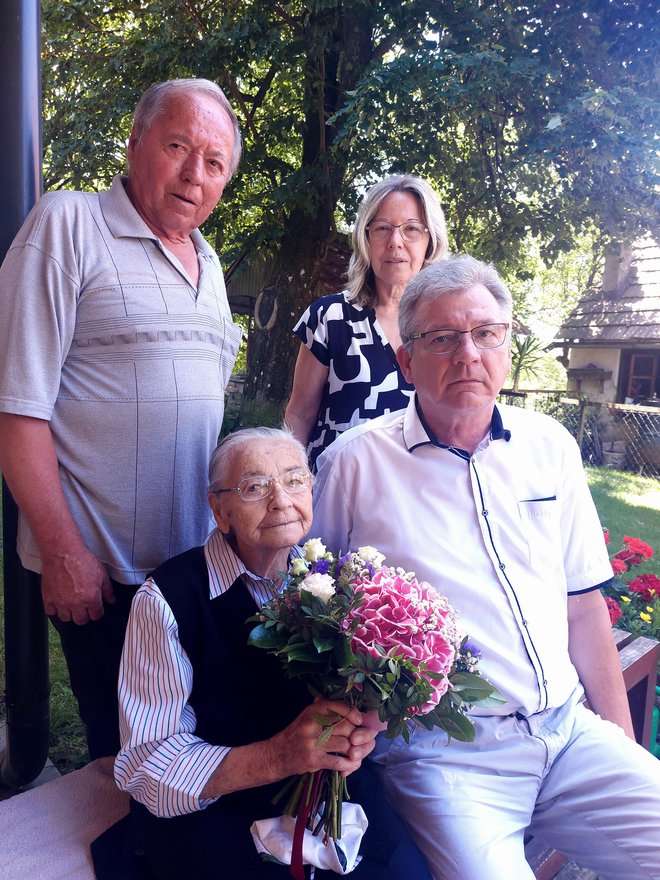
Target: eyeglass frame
x=426, y=333
x=271, y=485
x=394, y=226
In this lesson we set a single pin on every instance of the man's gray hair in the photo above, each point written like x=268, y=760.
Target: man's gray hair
x=361, y=283
x=229, y=446
x=152, y=103
x=453, y=275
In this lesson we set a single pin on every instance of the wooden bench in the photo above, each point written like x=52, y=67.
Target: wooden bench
x=639, y=664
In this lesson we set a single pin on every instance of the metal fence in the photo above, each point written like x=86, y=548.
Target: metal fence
x=610, y=434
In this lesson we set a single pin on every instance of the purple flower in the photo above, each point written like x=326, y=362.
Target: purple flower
x=370, y=569
x=469, y=648
x=321, y=566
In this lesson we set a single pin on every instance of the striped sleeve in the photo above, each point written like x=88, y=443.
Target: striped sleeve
x=162, y=764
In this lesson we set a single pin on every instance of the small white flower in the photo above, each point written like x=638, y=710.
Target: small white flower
x=314, y=549
x=370, y=554
x=298, y=567
x=320, y=585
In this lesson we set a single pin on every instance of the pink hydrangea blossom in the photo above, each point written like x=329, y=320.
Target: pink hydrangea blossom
x=406, y=616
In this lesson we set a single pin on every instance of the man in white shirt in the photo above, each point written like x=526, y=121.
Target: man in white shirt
x=490, y=504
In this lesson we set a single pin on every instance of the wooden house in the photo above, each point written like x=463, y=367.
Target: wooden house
x=611, y=340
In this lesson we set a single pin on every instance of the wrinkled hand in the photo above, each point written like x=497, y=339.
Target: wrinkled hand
x=302, y=747
x=74, y=586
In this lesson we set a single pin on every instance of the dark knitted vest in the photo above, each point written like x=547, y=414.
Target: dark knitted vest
x=240, y=694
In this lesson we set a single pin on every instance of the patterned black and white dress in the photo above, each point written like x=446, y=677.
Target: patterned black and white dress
x=364, y=379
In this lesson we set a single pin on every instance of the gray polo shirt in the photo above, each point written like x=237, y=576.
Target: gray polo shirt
x=104, y=335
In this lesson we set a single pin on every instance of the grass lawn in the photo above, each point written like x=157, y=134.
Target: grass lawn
x=627, y=504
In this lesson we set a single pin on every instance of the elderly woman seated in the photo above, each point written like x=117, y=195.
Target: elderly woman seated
x=211, y=726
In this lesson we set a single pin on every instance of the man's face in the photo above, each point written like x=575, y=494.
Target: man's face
x=179, y=168
x=468, y=380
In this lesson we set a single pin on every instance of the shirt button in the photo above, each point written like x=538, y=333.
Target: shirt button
x=484, y=513
x=502, y=566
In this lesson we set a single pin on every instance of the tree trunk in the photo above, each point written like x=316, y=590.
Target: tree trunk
x=340, y=48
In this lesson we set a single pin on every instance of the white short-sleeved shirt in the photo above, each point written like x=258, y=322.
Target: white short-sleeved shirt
x=104, y=335
x=506, y=534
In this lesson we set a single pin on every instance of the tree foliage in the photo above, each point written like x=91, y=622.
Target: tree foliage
x=533, y=121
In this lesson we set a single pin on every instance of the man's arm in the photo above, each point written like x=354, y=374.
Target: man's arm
x=596, y=659
x=74, y=583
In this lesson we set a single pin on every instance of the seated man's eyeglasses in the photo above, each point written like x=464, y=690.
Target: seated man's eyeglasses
x=447, y=341
x=408, y=231
x=258, y=486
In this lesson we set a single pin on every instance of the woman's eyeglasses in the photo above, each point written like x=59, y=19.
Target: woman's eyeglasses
x=408, y=231
x=258, y=486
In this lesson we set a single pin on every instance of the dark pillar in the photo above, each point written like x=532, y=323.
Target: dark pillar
x=26, y=630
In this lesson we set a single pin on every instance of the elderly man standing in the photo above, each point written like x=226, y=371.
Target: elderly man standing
x=490, y=504
x=116, y=343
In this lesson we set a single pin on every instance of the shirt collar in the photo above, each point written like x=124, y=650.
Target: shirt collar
x=225, y=567
x=124, y=221
x=417, y=432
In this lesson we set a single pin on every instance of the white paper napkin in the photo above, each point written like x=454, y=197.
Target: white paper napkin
x=274, y=837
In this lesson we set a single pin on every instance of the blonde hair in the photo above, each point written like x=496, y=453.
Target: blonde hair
x=361, y=281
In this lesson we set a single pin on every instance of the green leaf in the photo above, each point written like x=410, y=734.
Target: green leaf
x=264, y=637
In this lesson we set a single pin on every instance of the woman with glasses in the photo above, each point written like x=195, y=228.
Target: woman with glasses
x=210, y=726
x=346, y=372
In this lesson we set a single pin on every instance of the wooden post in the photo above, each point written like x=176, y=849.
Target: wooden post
x=581, y=423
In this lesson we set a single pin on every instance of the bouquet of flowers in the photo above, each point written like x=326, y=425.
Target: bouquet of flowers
x=375, y=637
x=633, y=602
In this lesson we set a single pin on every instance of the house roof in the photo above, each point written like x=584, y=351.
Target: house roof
x=624, y=309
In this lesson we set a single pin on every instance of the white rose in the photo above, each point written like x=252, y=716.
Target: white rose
x=320, y=585
x=314, y=549
x=298, y=566
x=370, y=554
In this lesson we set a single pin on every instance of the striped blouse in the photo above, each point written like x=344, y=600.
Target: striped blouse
x=162, y=763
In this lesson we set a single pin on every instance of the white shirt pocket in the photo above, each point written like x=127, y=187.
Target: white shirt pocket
x=540, y=524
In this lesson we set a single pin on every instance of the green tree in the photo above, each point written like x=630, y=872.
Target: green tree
x=532, y=121
x=526, y=355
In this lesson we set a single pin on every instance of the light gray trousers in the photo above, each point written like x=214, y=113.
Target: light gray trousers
x=576, y=781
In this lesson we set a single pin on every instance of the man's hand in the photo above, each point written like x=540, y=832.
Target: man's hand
x=74, y=586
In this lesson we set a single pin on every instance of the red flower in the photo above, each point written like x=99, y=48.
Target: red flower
x=628, y=557
x=606, y=535
x=638, y=547
x=618, y=566
x=647, y=585
x=613, y=608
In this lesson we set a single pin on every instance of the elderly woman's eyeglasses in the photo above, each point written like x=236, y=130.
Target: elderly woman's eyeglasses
x=447, y=341
x=408, y=231
x=259, y=486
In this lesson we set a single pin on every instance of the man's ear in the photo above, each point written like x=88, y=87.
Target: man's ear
x=130, y=149
x=404, y=357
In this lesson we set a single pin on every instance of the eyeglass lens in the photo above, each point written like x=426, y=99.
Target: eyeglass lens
x=447, y=341
x=260, y=486
x=408, y=231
